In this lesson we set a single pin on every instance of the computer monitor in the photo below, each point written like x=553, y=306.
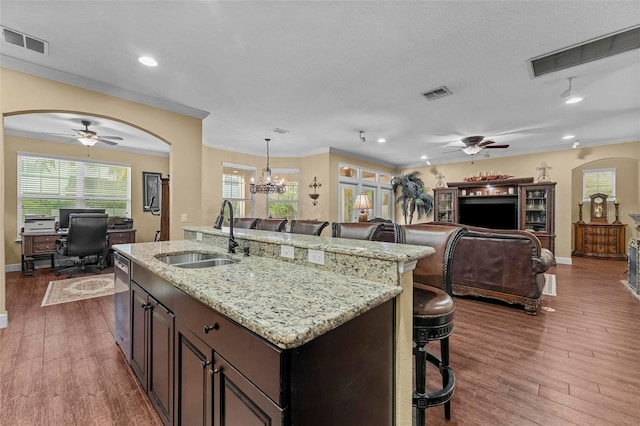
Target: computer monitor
x=64, y=215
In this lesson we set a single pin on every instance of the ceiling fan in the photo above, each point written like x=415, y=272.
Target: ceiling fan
x=471, y=145
x=89, y=137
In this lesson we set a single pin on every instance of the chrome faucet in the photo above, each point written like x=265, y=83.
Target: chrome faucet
x=220, y=219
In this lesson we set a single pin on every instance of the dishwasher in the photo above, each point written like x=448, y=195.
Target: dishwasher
x=122, y=302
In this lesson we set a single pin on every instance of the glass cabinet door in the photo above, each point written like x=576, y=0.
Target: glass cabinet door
x=445, y=205
x=535, y=209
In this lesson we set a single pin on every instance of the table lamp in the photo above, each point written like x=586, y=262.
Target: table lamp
x=362, y=202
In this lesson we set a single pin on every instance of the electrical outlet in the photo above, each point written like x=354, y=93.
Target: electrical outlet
x=287, y=251
x=183, y=218
x=198, y=236
x=316, y=256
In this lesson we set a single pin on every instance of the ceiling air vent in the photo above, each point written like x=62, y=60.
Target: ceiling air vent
x=279, y=130
x=592, y=50
x=438, y=93
x=25, y=41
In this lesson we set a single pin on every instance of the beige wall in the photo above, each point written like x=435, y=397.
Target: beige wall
x=26, y=93
x=564, y=164
x=145, y=223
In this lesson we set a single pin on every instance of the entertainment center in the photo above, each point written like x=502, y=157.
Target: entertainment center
x=516, y=203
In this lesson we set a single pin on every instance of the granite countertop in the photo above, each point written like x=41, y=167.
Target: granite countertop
x=286, y=304
x=371, y=249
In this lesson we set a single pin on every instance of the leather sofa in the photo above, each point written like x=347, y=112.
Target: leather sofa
x=507, y=265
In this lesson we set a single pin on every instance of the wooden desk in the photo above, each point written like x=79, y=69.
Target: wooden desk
x=39, y=243
x=601, y=240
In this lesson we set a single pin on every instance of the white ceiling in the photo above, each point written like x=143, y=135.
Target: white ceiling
x=326, y=70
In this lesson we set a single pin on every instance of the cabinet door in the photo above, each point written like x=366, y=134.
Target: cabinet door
x=193, y=381
x=139, y=306
x=238, y=402
x=161, y=360
x=445, y=201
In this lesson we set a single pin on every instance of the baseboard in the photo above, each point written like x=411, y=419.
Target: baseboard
x=4, y=319
x=563, y=260
x=13, y=267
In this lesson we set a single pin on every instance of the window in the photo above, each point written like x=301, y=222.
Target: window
x=599, y=181
x=354, y=180
x=47, y=184
x=285, y=205
x=235, y=188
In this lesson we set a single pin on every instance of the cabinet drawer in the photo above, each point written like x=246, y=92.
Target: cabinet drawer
x=235, y=344
x=44, y=239
x=44, y=247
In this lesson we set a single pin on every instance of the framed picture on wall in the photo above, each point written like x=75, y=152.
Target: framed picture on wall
x=151, y=185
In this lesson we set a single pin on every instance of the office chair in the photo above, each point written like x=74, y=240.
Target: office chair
x=87, y=237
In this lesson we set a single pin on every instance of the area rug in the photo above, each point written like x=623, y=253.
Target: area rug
x=549, y=285
x=72, y=289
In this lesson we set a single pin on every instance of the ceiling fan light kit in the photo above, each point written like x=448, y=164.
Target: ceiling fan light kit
x=87, y=141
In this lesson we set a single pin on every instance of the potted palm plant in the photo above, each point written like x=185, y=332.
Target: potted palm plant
x=413, y=199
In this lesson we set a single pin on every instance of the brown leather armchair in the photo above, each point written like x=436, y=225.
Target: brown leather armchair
x=356, y=230
x=309, y=227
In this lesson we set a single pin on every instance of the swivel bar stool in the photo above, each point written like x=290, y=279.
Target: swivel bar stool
x=433, y=311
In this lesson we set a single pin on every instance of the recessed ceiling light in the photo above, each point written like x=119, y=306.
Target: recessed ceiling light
x=568, y=137
x=424, y=157
x=382, y=140
x=148, y=61
x=428, y=162
x=574, y=100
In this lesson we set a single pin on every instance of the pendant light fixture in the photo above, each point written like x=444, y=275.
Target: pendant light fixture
x=264, y=185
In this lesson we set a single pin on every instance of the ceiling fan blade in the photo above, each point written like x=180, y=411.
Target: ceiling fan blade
x=497, y=146
x=115, y=138
x=108, y=142
x=486, y=142
x=59, y=134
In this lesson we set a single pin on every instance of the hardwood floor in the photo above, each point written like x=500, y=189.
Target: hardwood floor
x=59, y=364
x=577, y=364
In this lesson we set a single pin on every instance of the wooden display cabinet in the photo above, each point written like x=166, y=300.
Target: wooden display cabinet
x=537, y=206
x=445, y=201
x=516, y=203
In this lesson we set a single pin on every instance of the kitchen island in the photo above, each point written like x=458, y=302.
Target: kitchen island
x=284, y=333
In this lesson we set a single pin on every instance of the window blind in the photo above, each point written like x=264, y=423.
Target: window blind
x=235, y=188
x=598, y=181
x=47, y=184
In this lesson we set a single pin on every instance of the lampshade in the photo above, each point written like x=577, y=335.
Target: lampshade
x=362, y=202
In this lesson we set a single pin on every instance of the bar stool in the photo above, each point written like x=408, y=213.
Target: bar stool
x=433, y=311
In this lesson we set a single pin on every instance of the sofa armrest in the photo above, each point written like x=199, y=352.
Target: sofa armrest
x=544, y=262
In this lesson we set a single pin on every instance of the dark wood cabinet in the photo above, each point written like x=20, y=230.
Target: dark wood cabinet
x=537, y=207
x=226, y=375
x=445, y=204
x=500, y=204
x=152, y=350
x=601, y=240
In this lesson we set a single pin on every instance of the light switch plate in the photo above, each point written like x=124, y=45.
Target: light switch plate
x=316, y=256
x=183, y=218
x=287, y=251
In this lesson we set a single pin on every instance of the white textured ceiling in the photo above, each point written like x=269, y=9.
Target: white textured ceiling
x=326, y=70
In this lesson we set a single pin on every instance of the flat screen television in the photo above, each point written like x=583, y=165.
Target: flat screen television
x=496, y=213
x=64, y=215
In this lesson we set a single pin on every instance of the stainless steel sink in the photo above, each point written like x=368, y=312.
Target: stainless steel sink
x=193, y=260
